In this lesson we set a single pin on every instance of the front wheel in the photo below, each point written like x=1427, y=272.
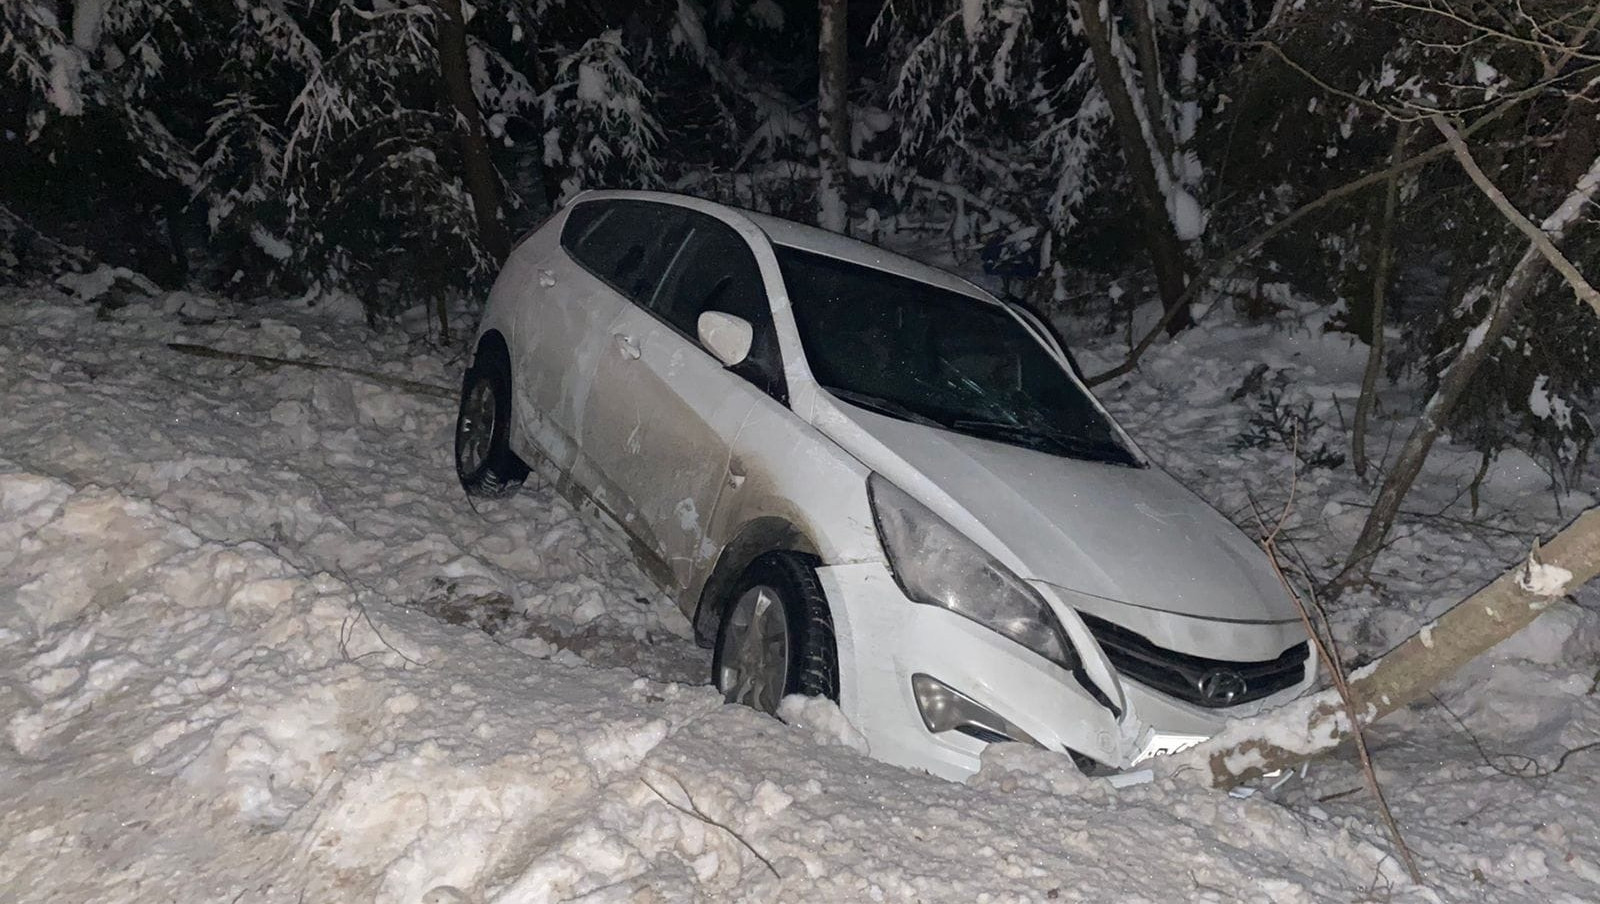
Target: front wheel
x=776, y=636
x=485, y=464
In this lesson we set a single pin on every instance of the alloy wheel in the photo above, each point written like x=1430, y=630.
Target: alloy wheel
x=755, y=650
x=475, y=430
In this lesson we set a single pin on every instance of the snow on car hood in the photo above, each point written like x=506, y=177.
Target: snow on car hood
x=1133, y=535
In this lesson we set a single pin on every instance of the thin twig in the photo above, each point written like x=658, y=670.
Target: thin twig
x=1377, y=309
x=1531, y=769
x=1340, y=684
x=1449, y=519
x=356, y=587
x=1336, y=672
x=694, y=810
x=202, y=351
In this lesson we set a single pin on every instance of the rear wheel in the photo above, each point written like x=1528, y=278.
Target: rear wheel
x=776, y=636
x=485, y=464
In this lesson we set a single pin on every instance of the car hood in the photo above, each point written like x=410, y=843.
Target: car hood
x=1132, y=535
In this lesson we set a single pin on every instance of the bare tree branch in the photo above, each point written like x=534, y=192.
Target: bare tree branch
x=1221, y=266
x=1378, y=310
x=1536, y=235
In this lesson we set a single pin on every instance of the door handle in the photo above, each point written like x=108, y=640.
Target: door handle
x=547, y=278
x=626, y=345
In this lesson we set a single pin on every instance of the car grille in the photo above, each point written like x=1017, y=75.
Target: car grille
x=1212, y=683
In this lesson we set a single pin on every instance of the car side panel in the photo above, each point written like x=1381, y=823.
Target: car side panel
x=789, y=473
x=657, y=435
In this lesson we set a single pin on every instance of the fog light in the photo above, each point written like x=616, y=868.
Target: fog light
x=945, y=709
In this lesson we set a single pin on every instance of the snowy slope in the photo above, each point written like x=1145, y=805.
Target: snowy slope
x=231, y=670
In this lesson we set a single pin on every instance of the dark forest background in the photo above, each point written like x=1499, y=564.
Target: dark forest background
x=1187, y=152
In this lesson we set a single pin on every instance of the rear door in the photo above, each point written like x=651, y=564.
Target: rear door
x=609, y=250
x=662, y=413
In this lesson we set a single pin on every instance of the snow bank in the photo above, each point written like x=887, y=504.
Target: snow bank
x=254, y=646
x=192, y=719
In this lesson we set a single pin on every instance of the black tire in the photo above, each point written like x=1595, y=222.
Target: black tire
x=493, y=471
x=813, y=658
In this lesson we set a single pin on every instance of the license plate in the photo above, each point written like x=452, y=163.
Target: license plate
x=1163, y=744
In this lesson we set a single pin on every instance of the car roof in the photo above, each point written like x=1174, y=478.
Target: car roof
x=792, y=234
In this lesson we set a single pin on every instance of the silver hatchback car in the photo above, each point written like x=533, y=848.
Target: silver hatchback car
x=867, y=479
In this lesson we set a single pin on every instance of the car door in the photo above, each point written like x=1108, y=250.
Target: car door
x=663, y=414
x=609, y=250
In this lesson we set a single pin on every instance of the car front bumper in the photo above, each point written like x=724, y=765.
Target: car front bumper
x=884, y=640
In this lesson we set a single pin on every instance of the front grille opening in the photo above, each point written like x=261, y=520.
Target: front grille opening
x=1212, y=683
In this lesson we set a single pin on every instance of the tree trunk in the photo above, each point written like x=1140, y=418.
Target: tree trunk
x=1518, y=287
x=833, y=118
x=1376, y=310
x=1166, y=252
x=1405, y=674
x=1149, y=54
x=483, y=183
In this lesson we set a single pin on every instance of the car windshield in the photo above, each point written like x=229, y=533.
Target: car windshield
x=913, y=351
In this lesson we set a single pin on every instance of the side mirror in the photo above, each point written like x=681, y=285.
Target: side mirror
x=726, y=336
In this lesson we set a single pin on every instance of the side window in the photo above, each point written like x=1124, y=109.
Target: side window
x=715, y=270
x=626, y=243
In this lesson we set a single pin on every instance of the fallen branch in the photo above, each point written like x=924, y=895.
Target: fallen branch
x=1316, y=725
x=202, y=351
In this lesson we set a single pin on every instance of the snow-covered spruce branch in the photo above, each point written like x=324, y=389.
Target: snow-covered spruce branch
x=40, y=56
x=1317, y=724
x=883, y=172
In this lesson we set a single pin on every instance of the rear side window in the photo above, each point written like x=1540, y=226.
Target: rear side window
x=715, y=270
x=626, y=243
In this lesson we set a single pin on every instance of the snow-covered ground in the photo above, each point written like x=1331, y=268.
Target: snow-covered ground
x=256, y=646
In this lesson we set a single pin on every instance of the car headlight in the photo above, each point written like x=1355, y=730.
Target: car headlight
x=936, y=565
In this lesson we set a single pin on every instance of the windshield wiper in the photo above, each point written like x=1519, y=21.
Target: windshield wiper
x=1064, y=443
x=883, y=406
